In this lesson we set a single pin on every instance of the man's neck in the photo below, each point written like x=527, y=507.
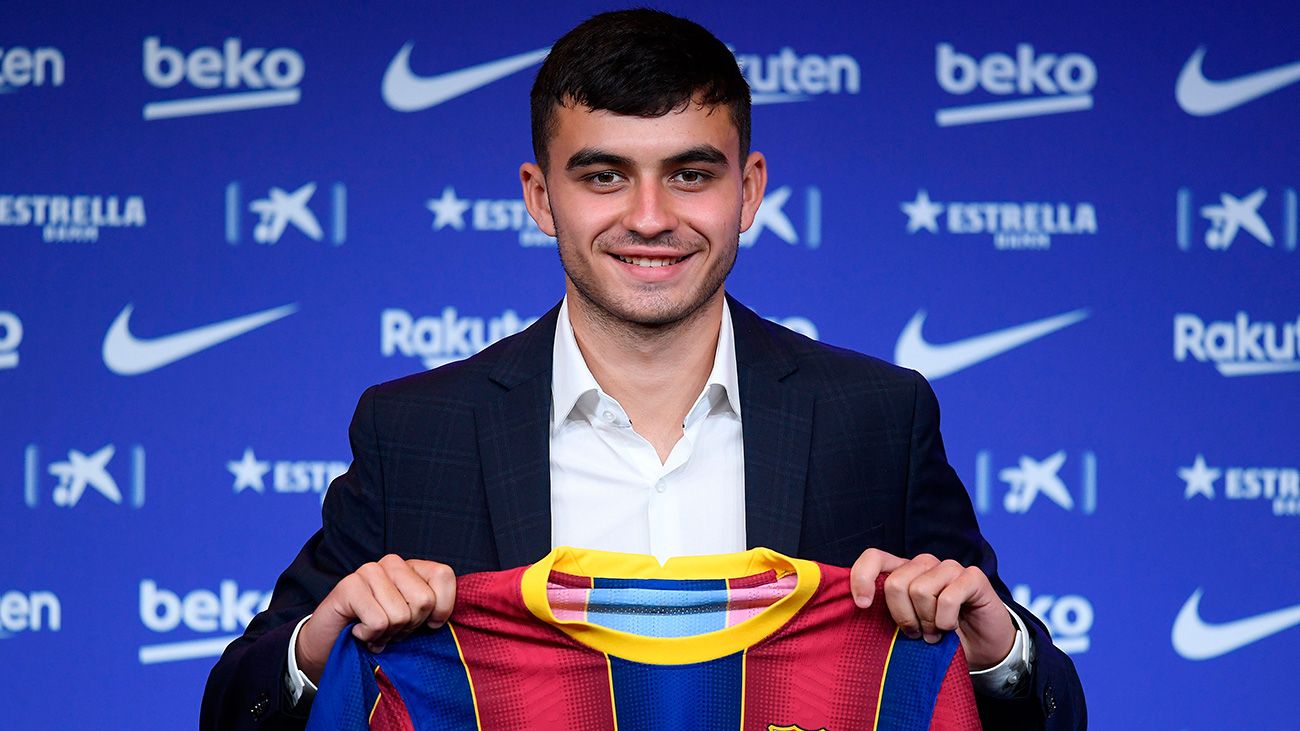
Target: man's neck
x=656, y=374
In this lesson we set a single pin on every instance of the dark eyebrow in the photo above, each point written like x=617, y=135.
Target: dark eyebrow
x=707, y=154
x=588, y=156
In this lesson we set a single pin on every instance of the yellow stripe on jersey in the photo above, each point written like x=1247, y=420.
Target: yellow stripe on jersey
x=670, y=650
x=478, y=723
x=744, y=667
x=613, y=706
x=370, y=718
x=884, y=673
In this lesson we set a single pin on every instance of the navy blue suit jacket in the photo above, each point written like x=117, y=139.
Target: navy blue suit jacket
x=842, y=453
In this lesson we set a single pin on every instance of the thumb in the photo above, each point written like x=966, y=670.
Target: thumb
x=862, y=577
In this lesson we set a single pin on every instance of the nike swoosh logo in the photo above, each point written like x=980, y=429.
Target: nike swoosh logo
x=937, y=361
x=1202, y=97
x=127, y=355
x=1196, y=639
x=406, y=92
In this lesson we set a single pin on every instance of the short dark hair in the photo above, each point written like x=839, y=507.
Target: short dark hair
x=639, y=62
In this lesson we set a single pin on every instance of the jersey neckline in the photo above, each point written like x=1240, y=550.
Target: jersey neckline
x=670, y=650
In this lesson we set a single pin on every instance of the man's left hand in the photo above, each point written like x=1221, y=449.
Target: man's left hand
x=927, y=597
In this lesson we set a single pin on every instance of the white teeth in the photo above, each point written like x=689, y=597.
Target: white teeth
x=643, y=261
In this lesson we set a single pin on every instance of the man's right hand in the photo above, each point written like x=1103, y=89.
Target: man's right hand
x=388, y=599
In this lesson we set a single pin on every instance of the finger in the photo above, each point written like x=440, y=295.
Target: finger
x=960, y=592
x=862, y=577
x=442, y=580
x=397, y=612
x=415, y=591
x=897, y=593
x=924, y=592
x=360, y=605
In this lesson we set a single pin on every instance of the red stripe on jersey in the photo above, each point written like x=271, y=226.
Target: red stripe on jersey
x=525, y=673
x=955, y=706
x=389, y=713
x=823, y=668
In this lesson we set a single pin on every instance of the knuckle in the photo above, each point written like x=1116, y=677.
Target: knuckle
x=401, y=615
x=391, y=561
x=973, y=575
x=422, y=600
x=919, y=591
x=895, y=584
x=443, y=573
x=373, y=618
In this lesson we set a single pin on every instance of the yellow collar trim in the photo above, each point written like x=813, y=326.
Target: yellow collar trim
x=670, y=650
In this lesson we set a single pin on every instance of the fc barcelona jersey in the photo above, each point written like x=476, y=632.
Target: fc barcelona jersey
x=752, y=641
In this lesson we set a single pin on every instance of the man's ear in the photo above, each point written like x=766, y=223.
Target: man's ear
x=536, y=197
x=752, y=186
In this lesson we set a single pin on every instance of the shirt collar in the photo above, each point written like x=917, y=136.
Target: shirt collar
x=571, y=379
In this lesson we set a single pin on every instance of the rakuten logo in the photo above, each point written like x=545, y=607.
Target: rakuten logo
x=1239, y=347
x=439, y=340
x=787, y=76
x=226, y=610
x=1057, y=83
x=230, y=67
x=31, y=612
x=21, y=67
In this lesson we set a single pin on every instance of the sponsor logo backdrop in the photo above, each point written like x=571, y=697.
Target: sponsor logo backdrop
x=220, y=223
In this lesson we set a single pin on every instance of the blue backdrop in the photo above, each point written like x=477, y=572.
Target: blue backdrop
x=221, y=222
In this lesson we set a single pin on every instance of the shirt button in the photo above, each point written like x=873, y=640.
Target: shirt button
x=660, y=486
x=608, y=416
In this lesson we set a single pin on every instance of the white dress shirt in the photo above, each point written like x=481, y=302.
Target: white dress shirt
x=610, y=492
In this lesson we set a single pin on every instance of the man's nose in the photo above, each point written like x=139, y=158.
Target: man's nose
x=651, y=211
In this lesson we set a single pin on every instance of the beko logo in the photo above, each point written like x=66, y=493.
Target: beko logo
x=227, y=610
x=1045, y=83
x=251, y=78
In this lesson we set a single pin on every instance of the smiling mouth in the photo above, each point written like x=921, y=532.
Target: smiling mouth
x=648, y=261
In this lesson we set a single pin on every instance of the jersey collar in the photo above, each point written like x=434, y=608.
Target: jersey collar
x=670, y=650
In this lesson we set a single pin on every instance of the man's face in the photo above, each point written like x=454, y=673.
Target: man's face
x=648, y=211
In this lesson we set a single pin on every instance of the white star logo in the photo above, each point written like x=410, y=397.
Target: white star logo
x=448, y=210
x=922, y=213
x=1199, y=478
x=249, y=472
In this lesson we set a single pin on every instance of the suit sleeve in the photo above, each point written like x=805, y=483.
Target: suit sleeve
x=941, y=521
x=245, y=689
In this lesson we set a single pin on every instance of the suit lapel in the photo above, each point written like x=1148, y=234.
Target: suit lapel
x=776, y=421
x=514, y=445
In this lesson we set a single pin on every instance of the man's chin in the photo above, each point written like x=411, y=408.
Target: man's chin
x=658, y=314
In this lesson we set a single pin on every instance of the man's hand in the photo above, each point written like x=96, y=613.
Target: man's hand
x=388, y=599
x=927, y=596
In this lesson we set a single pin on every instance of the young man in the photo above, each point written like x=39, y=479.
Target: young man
x=647, y=413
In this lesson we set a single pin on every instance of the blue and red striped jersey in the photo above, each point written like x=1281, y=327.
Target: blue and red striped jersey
x=592, y=640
